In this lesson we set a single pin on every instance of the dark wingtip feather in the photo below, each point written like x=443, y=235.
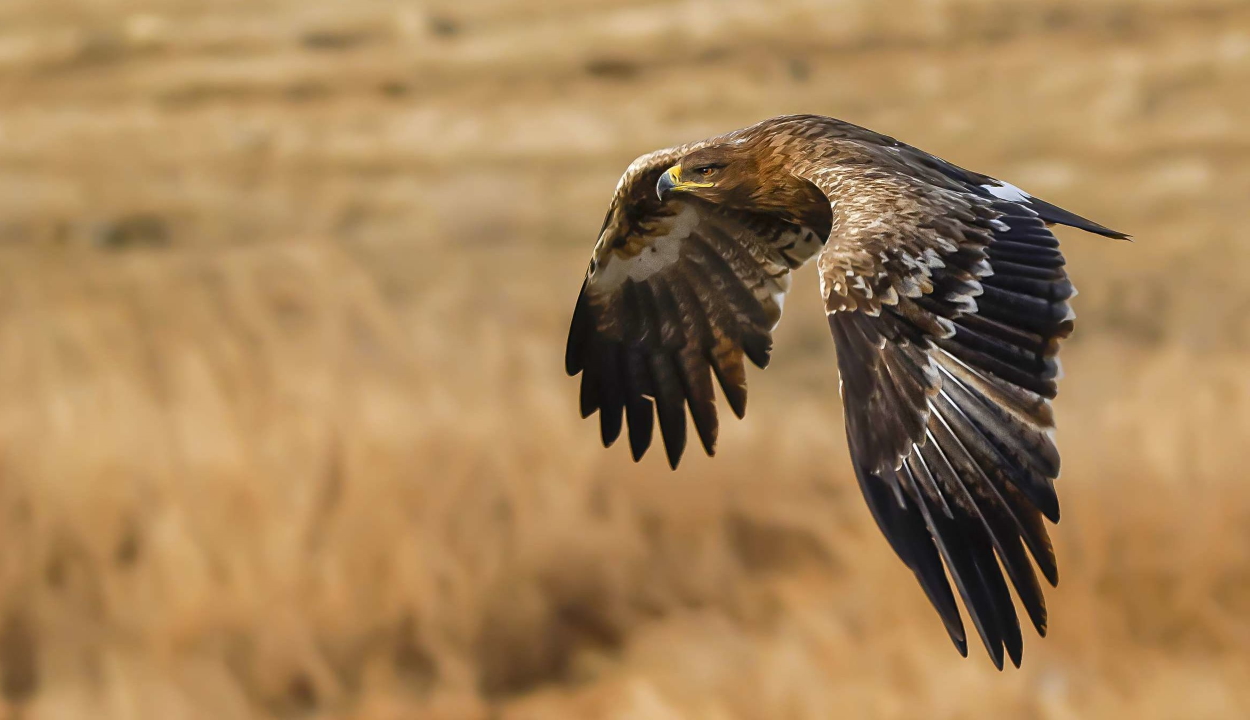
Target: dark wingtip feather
x=707, y=436
x=1051, y=573
x=734, y=394
x=995, y=651
x=758, y=348
x=670, y=407
x=1055, y=214
x=953, y=631
x=580, y=328
x=905, y=529
x=641, y=419
x=672, y=430
x=611, y=395
x=696, y=379
x=609, y=425
x=1015, y=648
x=673, y=455
x=1047, y=502
x=974, y=582
x=588, y=400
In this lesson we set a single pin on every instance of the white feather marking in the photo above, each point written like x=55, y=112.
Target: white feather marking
x=660, y=253
x=932, y=259
x=1007, y=191
x=806, y=246
x=878, y=224
x=779, y=299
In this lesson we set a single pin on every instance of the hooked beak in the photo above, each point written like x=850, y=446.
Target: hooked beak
x=671, y=180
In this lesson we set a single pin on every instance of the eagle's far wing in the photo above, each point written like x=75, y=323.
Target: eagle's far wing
x=677, y=291
x=947, y=308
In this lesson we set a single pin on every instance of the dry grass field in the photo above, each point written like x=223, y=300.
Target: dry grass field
x=284, y=430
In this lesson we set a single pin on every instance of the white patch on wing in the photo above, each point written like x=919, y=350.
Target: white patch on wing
x=773, y=293
x=661, y=252
x=806, y=246
x=1006, y=191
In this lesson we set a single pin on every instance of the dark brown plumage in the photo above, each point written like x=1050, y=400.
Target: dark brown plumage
x=947, y=299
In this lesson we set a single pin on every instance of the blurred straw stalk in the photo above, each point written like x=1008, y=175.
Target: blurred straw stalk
x=283, y=425
x=242, y=485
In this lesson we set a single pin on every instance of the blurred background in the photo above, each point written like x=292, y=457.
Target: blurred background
x=284, y=429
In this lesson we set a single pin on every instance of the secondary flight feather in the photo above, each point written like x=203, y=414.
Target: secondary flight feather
x=947, y=298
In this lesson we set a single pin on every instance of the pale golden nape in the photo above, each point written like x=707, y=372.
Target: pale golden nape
x=946, y=295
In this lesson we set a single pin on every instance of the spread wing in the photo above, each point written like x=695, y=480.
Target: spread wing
x=677, y=291
x=947, y=306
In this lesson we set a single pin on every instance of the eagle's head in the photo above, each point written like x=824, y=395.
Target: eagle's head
x=747, y=176
x=723, y=174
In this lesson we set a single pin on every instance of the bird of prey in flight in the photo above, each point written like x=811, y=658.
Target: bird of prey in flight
x=947, y=298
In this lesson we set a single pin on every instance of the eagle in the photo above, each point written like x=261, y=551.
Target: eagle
x=946, y=294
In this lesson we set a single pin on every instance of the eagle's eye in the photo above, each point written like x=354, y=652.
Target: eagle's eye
x=707, y=170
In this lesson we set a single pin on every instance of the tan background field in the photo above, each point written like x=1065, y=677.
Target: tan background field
x=284, y=429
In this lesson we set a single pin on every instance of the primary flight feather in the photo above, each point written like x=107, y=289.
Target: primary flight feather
x=947, y=299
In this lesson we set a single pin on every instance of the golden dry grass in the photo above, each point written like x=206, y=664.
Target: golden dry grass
x=283, y=425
